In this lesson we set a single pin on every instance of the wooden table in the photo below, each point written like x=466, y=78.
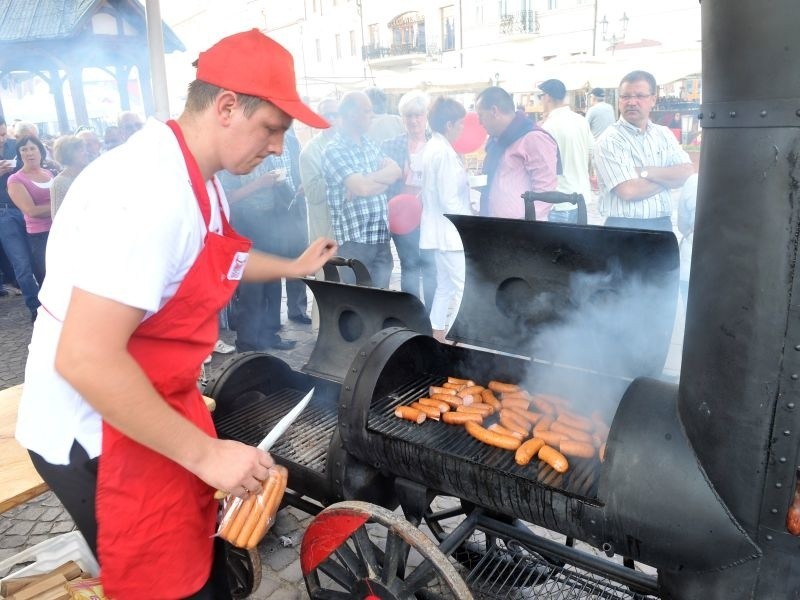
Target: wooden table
x=19, y=481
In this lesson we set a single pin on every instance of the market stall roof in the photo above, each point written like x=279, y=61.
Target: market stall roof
x=51, y=38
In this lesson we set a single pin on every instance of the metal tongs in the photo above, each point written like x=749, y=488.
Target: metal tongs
x=277, y=431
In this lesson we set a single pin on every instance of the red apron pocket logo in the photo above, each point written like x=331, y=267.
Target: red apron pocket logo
x=237, y=266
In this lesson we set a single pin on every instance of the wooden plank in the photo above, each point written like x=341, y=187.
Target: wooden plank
x=19, y=481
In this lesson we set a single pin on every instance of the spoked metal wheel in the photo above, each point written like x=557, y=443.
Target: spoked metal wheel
x=361, y=550
x=244, y=570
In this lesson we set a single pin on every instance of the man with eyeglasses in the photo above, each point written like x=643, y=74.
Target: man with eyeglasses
x=639, y=162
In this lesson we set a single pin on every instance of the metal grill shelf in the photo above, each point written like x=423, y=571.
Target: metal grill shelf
x=306, y=441
x=453, y=440
x=510, y=571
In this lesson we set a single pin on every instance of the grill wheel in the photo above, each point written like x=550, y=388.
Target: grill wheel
x=243, y=568
x=361, y=550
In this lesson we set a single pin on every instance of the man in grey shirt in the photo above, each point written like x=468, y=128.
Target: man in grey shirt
x=600, y=114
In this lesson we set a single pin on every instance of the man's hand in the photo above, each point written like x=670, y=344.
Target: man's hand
x=315, y=256
x=234, y=467
x=6, y=166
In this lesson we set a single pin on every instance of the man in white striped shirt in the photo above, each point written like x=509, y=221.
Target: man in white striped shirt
x=639, y=162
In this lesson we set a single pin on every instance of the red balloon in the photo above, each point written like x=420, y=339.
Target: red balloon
x=405, y=212
x=472, y=137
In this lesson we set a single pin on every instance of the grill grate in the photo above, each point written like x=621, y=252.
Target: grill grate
x=452, y=440
x=510, y=571
x=256, y=414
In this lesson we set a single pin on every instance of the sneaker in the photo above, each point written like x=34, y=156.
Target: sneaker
x=303, y=319
x=222, y=348
x=280, y=344
x=207, y=359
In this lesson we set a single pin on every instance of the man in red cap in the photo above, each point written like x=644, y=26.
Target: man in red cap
x=136, y=279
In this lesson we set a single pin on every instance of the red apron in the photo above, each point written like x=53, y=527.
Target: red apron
x=156, y=519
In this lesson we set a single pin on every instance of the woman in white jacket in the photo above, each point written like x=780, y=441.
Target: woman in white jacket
x=444, y=191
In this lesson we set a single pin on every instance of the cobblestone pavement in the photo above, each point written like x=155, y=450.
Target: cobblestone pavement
x=44, y=517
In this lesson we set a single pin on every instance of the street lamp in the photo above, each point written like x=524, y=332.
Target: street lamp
x=616, y=36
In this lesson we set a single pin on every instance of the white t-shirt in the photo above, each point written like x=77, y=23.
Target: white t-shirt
x=129, y=229
x=575, y=143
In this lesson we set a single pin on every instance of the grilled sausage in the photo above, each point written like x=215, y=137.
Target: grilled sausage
x=435, y=389
x=460, y=418
x=531, y=417
x=528, y=450
x=460, y=381
x=543, y=425
x=500, y=386
x=571, y=432
x=551, y=438
x=410, y=414
x=576, y=421
x=492, y=438
x=442, y=406
x=554, y=458
x=500, y=429
x=453, y=386
x=515, y=403
x=488, y=397
x=574, y=448
x=453, y=401
x=513, y=422
x=521, y=395
x=472, y=390
x=479, y=409
x=432, y=412
x=543, y=405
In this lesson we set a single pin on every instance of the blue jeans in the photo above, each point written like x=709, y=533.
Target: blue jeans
x=377, y=258
x=416, y=264
x=15, y=244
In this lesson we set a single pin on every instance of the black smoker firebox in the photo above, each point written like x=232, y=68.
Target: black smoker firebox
x=698, y=477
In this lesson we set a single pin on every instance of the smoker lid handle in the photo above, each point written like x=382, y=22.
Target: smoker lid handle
x=331, y=271
x=554, y=198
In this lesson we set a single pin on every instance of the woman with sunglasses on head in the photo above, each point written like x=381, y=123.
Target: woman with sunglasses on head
x=29, y=189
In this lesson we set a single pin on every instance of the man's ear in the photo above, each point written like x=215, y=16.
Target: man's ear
x=224, y=105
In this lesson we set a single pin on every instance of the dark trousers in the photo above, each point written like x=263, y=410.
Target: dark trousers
x=257, y=315
x=377, y=258
x=291, y=232
x=659, y=224
x=416, y=264
x=38, y=244
x=75, y=485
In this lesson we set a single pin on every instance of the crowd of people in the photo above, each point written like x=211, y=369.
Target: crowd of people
x=351, y=179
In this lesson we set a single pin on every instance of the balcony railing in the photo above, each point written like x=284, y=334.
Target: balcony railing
x=376, y=52
x=524, y=21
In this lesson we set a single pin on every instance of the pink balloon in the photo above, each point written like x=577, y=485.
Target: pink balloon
x=405, y=212
x=472, y=137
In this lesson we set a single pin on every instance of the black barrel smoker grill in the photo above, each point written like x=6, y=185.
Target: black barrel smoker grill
x=698, y=477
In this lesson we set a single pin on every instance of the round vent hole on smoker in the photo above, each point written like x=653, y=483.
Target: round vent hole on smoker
x=351, y=325
x=513, y=295
x=393, y=322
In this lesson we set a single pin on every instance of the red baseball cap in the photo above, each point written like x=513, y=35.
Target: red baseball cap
x=251, y=63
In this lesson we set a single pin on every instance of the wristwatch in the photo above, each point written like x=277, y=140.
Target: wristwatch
x=643, y=174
